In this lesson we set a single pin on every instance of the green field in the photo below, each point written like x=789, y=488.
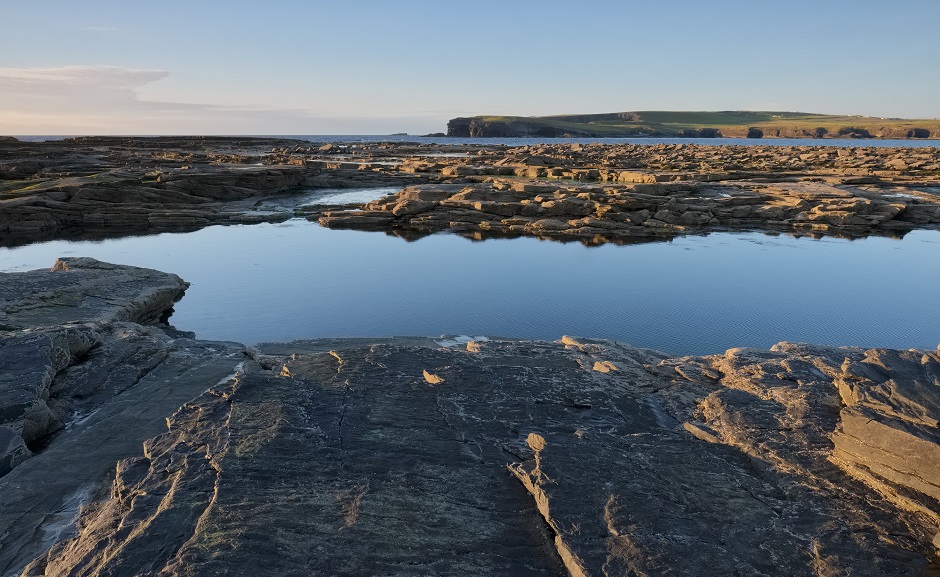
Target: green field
x=757, y=124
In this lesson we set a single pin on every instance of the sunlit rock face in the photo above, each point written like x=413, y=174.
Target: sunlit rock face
x=594, y=193
x=641, y=210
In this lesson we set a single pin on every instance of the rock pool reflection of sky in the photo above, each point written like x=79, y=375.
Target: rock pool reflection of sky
x=694, y=295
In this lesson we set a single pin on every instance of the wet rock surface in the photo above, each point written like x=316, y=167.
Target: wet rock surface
x=71, y=339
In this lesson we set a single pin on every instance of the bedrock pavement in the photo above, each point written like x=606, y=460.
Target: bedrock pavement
x=408, y=457
x=87, y=373
x=99, y=187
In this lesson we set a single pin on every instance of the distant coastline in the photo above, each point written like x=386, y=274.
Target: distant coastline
x=440, y=139
x=676, y=124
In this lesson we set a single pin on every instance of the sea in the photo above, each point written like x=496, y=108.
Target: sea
x=441, y=140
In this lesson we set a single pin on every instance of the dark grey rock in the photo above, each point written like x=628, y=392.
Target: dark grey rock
x=13, y=450
x=81, y=289
x=79, y=389
x=403, y=456
x=101, y=407
x=30, y=361
x=511, y=458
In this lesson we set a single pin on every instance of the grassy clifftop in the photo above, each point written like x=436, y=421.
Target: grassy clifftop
x=735, y=124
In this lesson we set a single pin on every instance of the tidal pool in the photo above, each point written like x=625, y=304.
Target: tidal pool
x=693, y=295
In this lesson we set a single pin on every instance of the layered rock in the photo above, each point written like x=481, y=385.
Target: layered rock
x=100, y=187
x=135, y=203
x=82, y=384
x=73, y=415
x=72, y=339
x=670, y=124
x=888, y=432
x=81, y=289
x=620, y=213
x=627, y=193
x=578, y=457
x=507, y=457
x=93, y=187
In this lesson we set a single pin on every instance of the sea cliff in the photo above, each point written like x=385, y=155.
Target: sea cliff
x=728, y=124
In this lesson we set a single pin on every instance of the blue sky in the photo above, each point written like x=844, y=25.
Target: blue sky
x=374, y=67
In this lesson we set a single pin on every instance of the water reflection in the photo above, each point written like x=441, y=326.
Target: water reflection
x=691, y=295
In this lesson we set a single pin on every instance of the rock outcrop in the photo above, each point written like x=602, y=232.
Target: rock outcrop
x=98, y=186
x=627, y=213
x=628, y=193
x=65, y=348
x=86, y=290
x=87, y=373
x=528, y=458
x=404, y=456
x=101, y=187
x=477, y=127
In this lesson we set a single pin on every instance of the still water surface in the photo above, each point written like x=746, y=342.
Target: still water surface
x=694, y=295
x=536, y=140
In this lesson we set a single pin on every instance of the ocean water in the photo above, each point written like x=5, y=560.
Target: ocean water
x=363, y=138
x=692, y=295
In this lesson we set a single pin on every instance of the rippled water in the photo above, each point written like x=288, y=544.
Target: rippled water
x=694, y=295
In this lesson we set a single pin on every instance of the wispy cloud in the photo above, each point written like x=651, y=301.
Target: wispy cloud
x=91, y=76
x=69, y=91
x=100, y=29
x=105, y=99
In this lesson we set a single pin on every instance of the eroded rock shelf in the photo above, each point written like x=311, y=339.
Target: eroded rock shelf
x=400, y=456
x=131, y=448
x=596, y=193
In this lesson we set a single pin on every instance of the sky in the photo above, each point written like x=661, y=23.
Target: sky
x=378, y=67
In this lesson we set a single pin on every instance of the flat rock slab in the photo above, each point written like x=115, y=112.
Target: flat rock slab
x=86, y=290
x=524, y=458
x=81, y=388
x=40, y=498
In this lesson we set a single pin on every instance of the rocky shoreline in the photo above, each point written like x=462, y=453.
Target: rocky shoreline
x=604, y=193
x=128, y=447
x=101, y=187
x=133, y=449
